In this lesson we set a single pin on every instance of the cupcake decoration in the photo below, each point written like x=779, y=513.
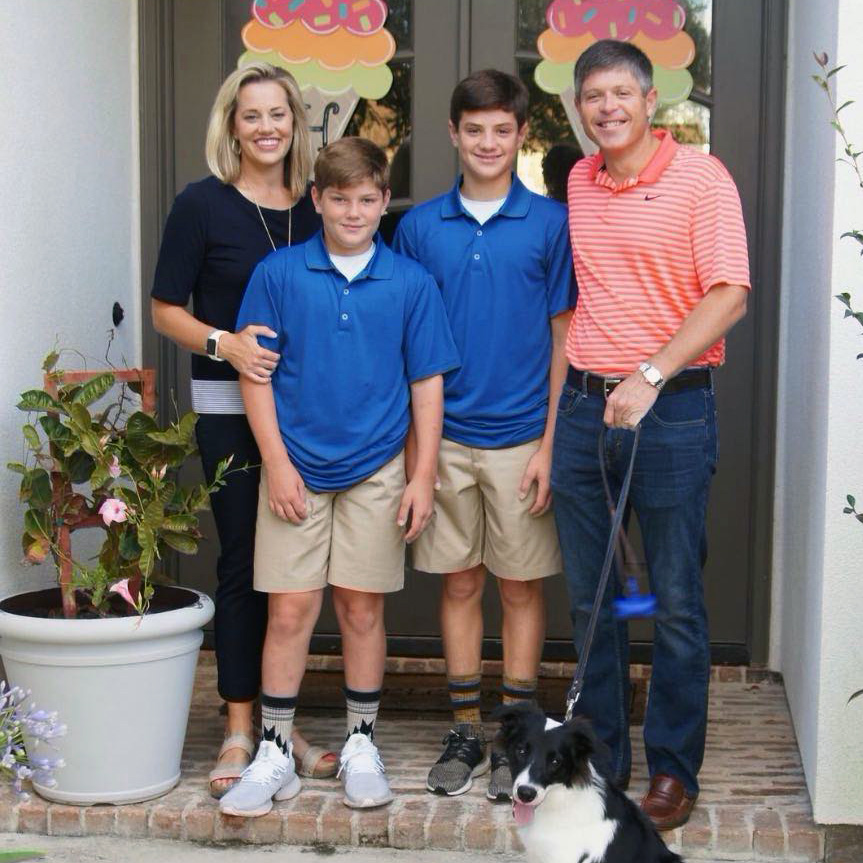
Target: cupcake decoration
x=337, y=50
x=655, y=26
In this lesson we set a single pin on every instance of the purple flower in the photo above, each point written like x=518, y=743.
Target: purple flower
x=22, y=730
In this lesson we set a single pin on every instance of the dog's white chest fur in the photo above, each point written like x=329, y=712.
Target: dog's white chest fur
x=568, y=827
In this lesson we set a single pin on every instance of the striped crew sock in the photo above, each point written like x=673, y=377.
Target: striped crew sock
x=277, y=719
x=517, y=690
x=464, y=695
x=362, y=711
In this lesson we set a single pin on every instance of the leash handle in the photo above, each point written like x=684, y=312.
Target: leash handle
x=578, y=678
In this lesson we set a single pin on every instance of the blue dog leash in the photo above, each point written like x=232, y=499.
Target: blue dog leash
x=616, y=523
x=632, y=603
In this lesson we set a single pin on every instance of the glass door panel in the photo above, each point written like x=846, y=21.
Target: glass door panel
x=689, y=121
x=387, y=121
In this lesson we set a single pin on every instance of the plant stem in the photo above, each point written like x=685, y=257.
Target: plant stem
x=67, y=591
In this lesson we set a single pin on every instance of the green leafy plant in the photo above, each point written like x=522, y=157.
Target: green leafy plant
x=850, y=157
x=93, y=461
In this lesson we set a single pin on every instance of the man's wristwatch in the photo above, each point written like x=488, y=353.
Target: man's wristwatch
x=652, y=375
x=213, y=345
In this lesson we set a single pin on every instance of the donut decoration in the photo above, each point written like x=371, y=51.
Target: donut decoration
x=360, y=17
x=655, y=26
x=618, y=19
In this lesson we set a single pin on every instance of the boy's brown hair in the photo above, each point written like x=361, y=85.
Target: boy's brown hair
x=488, y=90
x=349, y=161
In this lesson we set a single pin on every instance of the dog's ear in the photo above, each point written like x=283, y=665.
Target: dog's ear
x=582, y=741
x=515, y=719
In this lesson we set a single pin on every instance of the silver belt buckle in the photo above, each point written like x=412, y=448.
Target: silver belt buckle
x=605, y=384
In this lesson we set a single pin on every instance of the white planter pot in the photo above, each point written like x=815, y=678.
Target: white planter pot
x=122, y=686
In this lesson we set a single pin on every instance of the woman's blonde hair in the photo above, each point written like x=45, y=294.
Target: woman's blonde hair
x=224, y=161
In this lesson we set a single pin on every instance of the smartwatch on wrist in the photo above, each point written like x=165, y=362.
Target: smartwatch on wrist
x=213, y=345
x=652, y=375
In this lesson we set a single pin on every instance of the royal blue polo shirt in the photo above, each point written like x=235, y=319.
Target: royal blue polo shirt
x=348, y=353
x=501, y=282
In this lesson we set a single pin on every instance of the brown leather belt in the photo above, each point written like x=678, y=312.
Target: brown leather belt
x=603, y=385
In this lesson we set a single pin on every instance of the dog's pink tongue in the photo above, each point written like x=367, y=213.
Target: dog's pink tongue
x=522, y=813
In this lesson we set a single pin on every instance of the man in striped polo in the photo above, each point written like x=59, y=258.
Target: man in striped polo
x=660, y=255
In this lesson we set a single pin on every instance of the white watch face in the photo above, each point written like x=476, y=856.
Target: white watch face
x=651, y=374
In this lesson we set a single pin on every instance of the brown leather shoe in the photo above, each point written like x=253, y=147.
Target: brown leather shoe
x=667, y=803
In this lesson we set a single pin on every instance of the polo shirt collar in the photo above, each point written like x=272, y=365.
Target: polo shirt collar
x=651, y=172
x=515, y=206
x=381, y=266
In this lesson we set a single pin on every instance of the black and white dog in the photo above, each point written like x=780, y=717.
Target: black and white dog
x=565, y=805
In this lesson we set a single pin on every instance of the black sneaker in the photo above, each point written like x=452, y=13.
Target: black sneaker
x=464, y=757
x=500, y=781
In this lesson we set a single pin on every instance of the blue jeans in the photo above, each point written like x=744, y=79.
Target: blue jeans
x=676, y=459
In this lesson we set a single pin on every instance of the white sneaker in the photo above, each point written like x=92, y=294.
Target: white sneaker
x=271, y=776
x=362, y=773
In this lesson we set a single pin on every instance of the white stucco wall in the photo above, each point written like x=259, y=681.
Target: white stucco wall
x=816, y=632
x=69, y=221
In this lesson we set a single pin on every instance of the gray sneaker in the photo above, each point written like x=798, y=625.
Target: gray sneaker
x=271, y=776
x=464, y=757
x=363, y=775
x=500, y=781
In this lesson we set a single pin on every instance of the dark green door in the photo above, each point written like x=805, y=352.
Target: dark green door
x=738, y=91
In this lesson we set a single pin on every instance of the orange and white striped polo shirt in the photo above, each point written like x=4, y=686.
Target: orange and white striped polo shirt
x=647, y=251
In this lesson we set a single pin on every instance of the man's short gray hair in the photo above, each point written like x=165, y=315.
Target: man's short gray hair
x=613, y=54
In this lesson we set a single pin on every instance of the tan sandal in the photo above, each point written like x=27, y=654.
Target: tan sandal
x=313, y=766
x=237, y=740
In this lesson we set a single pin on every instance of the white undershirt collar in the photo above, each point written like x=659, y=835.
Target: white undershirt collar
x=350, y=266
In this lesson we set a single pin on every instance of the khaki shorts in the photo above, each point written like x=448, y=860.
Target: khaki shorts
x=479, y=518
x=349, y=538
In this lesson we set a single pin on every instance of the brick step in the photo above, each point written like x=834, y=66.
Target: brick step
x=413, y=821
x=494, y=668
x=753, y=804
x=406, y=695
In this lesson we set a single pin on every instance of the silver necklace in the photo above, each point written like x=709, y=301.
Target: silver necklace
x=264, y=221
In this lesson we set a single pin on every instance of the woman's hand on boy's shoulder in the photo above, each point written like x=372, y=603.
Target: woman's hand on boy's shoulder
x=417, y=506
x=242, y=351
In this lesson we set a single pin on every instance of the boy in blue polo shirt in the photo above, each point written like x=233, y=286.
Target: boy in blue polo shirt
x=501, y=257
x=362, y=339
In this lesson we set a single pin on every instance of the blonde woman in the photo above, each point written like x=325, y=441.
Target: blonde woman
x=259, y=152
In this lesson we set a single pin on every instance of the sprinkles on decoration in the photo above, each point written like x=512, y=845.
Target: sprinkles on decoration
x=655, y=26
x=360, y=17
x=615, y=20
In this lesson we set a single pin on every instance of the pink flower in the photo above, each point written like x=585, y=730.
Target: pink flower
x=122, y=587
x=114, y=467
x=113, y=510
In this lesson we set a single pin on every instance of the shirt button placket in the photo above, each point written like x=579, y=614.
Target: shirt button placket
x=344, y=307
x=478, y=247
